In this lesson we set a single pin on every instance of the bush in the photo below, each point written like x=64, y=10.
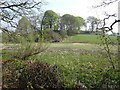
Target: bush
x=85, y=32
x=11, y=71
x=24, y=49
x=109, y=80
x=72, y=32
x=63, y=33
x=9, y=75
x=52, y=36
x=30, y=75
x=101, y=79
x=40, y=75
x=55, y=37
x=9, y=38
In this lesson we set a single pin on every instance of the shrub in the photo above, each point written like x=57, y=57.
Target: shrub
x=10, y=75
x=101, y=79
x=26, y=46
x=52, y=36
x=72, y=32
x=109, y=80
x=40, y=75
x=8, y=38
x=26, y=50
x=84, y=32
x=30, y=75
x=63, y=33
x=55, y=36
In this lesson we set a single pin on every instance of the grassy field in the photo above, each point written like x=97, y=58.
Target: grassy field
x=84, y=62
x=77, y=62
x=82, y=46
x=87, y=38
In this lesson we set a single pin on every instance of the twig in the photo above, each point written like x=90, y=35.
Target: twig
x=104, y=4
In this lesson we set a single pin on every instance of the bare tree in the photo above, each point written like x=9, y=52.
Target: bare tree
x=105, y=29
x=12, y=10
x=107, y=38
x=10, y=13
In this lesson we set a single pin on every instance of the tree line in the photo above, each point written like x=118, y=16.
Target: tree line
x=53, y=27
x=52, y=21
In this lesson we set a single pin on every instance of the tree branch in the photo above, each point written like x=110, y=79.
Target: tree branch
x=10, y=10
x=5, y=30
x=104, y=20
x=110, y=28
x=104, y=3
x=33, y=5
x=14, y=5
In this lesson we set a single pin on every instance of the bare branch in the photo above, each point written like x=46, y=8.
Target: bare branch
x=11, y=11
x=33, y=5
x=14, y=5
x=111, y=26
x=105, y=3
x=5, y=30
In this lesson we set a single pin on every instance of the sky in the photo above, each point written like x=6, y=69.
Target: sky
x=81, y=8
x=74, y=7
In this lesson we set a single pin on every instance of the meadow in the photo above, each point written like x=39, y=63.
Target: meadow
x=80, y=62
x=77, y=62
x=84, y=63
x=88, y=38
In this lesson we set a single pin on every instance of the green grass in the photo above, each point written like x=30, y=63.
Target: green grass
x=79, y=61
x=87, y=38
x=76, y=63
x=84, y=46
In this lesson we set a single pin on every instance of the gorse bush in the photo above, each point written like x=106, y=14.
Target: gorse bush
x=25, y=47
x=29, y=75
x=52, y=36
x=40, y=75
x=9, y=75
x=27, y=50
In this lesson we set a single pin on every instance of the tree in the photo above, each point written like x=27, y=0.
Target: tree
x=36, y=21
x=71, y=23
x=24, y=26
x=93, y=21
x=50, y=19
x=106, y=29
x=12, y=10
x=79, y=22
x=67, y=21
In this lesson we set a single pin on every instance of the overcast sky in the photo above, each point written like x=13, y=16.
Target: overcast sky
x=81, y=8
